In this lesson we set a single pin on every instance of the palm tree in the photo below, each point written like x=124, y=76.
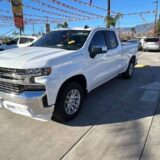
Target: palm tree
x=118, y=17
x=133, y=30
x=112, y=21
x=62, y=25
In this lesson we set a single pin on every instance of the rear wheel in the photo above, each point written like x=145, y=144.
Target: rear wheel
x=68, y=103
x=130, y=70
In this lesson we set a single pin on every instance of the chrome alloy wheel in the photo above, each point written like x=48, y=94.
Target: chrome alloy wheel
x=72, y=101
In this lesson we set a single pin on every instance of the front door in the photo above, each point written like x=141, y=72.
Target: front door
x=98, y=66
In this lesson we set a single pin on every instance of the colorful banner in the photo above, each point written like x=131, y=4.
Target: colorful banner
x=17, y=13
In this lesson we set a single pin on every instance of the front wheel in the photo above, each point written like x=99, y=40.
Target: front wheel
x=68, y=103
x=130, y=70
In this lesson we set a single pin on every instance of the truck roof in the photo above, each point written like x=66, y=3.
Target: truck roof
x=85, y=29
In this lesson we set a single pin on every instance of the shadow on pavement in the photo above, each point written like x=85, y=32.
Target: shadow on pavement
x=120, y=100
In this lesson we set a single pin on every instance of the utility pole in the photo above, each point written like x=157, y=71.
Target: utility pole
x=33, y=29
x=156, y=15
x=41, y=30
x=20, y=31
x=108, y=13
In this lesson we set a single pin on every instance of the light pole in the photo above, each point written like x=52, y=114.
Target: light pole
x=108, y=13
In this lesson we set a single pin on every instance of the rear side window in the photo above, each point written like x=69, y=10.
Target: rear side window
x=25, y=40
x=111, y=40
x=98, y=40
x=30, y=39
x=13, y=41
x=152, y=40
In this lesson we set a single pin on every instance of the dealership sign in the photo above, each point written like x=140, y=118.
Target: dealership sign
x=18, y=13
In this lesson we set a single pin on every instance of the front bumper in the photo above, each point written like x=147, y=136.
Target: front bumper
x=28, y=103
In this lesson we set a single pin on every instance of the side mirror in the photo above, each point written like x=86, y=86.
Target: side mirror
x=95, y=50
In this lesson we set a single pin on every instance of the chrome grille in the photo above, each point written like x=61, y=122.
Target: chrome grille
x=14, y=81
x=8, y=77
x=11, y=88
x=11, y=71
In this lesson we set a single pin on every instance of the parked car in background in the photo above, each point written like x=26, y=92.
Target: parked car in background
x=18, y=42
x=151, y=43
x=0, y=43
x=52, y=77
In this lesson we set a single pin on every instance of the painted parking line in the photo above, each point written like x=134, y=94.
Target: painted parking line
x=140, y=65
x=150, y=96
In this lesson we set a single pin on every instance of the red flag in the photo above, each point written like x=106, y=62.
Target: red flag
x=90, y=3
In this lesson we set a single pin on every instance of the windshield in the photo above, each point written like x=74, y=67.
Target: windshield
x=152, y=40
x=67, y=39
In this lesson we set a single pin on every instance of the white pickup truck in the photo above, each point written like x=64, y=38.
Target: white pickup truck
x=51, y=78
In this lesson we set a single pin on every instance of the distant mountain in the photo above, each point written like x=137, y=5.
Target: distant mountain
x=144, y=28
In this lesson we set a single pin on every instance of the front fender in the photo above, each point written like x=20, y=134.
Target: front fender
x=60, y=73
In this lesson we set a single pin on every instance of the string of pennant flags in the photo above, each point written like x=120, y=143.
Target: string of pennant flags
x=45, y=18
x=31, y=15
x=48, y=12
x=58, y=9
x=67, y=18
x=90, y=3
x=27, y=20
x=71, y=14
x=74, y=8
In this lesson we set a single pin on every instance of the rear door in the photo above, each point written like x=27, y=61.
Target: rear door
x=114, y=52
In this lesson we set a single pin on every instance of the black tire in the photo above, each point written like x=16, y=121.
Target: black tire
x=60, y=114
x=128, y=74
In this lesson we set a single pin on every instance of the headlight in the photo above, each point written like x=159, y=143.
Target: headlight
x=38, y=71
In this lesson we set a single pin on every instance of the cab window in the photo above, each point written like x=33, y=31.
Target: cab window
x=111, y=40
x=98, y=40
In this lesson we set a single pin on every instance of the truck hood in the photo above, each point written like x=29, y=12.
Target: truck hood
x=30, y=57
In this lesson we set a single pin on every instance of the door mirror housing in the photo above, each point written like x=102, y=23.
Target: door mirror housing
x=95, y=50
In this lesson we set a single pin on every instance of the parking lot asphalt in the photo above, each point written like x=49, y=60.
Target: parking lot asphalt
x=119, y=120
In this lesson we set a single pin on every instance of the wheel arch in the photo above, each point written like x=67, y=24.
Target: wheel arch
x=134, y=59
x=80, y=78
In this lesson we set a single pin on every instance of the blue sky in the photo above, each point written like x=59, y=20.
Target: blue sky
x=123, y=6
